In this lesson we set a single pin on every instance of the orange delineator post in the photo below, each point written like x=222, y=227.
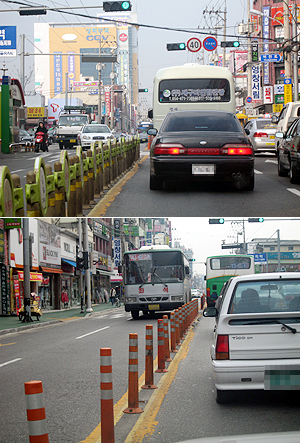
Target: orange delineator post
x=166, y=338
x=133, y=382
x=106, y=402
x=177, y=331
x=149, y=359
x=173, y=334
x=180, y=322
x=36, y=413
x=161, y=347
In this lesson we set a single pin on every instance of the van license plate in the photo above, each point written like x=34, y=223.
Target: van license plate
x=153, y=307
x=72, y=141
x=282, y=379
x=203, y=169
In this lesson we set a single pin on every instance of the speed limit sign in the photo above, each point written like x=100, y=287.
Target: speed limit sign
x=193, y=44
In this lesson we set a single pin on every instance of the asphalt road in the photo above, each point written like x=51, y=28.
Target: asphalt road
x=65, y=358
x=273, y=196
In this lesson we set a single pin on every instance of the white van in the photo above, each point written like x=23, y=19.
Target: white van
x=286, y=117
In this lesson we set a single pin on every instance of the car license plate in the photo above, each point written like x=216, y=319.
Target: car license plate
x=203, y=169
x=270, y=143
x=282, y=379
x=153, y=307
x=272, y=136
x=72, y=141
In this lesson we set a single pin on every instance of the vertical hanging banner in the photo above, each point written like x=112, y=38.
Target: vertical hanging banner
x=266, y=33
x=255, y=83
x=268, y=95
x=71, y=70
x=8, y=41
x=57, y=73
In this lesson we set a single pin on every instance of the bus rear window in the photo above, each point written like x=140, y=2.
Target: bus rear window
x=194, y=90
x=230, y=263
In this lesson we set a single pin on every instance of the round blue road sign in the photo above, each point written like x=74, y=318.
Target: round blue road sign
x=249, y=99
x=210, y=43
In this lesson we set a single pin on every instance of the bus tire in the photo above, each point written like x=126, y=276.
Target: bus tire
x=135, y=315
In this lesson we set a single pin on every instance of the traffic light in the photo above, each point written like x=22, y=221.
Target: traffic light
x=176, y=46
x=116, y=6
x=144, y=90
x=216, y=221
x=31, y=11
x=255, y=220
x=234, y=44
x=83, y=262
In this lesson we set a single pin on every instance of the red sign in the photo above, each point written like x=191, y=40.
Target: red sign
x=123, y=37
x=141, y=290
x=17, y=295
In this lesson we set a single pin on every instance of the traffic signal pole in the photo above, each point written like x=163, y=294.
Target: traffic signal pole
x=87, y=271
x=26, y=265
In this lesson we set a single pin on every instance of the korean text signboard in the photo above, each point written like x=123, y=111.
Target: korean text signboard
x=8, y=41
x=266, y=32
x=268, y=95
x=255, y=83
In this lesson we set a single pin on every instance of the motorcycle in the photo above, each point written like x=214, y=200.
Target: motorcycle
x=40, y=143
x=35, y=309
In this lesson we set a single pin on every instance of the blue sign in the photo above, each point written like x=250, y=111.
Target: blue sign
x=268, y=58
x=260, y=258
x=210, y=43
x=287, y=81
x=8, y=41
x=249, y=99
x=284, y=255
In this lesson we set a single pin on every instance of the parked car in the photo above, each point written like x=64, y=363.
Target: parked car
x=201, y=145
x=288, y=114
x=25, y=136
x=52, y=135
x=288, y=152
x=93, y=132
x=262, y=134
x=256, y=344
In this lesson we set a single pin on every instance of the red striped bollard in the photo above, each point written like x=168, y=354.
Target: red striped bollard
x=106, y=402
x=180, y=322
x=173, y=335
x=177, y=331
x=133, y=382
x=36, y=413
x=161, y=347
x=149, y=359
x=166, y=338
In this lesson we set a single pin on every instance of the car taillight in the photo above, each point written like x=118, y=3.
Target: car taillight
x=169, y=149
x=222, y=347
x=236, y=149
x=260, y=134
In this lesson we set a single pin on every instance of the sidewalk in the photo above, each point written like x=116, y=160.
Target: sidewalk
x=13, y=324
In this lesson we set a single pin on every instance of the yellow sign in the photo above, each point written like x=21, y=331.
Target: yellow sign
x=277, y=108
x=36, y=112
x=288, y=93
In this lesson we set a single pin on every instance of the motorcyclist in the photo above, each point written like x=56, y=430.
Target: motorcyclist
x=41, y=128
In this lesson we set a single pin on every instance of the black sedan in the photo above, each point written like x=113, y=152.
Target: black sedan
x=288, y=152
x=201, y=145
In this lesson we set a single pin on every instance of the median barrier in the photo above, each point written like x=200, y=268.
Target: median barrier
x=59, y=182
x=71, y=207
x=173, y=332
x=91, y=177
x=177, y=329
x=106, y=402
x=32, y=195
x=149, y=383
x=166, y=338
x=161, y=347
x=85, y=191
x=36, y=412
x=133, y=382
x=18, y=195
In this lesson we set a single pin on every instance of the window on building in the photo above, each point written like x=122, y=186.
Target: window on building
x=272, y=248
x=290, y=248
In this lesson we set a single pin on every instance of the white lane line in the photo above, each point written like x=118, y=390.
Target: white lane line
x=294, y=191
x=93, y=332
x=257, y=172
x=118, y=315
x=8, y=362
x=272, y=161
x=17, y=170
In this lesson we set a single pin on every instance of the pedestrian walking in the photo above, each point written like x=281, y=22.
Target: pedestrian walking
x=112, y=296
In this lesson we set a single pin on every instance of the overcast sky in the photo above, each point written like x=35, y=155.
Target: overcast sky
x=205, y=239
x=153, y=55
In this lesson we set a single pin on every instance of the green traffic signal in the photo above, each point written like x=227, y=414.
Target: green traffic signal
x=216, y=221
x=116, y=6
x=176, y=46
x=236, y=44
x=255, y=219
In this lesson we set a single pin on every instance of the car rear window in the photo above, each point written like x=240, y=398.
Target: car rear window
x=266, y=296
x=214, y=122
x=265, y=124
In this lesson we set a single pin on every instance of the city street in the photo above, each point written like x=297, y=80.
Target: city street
x=272, y=195
x=66, y=358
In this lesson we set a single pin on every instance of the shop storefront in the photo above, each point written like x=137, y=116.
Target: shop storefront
x=5, y=299
x=69, y=279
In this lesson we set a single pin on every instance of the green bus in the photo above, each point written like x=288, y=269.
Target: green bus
x=220, y=268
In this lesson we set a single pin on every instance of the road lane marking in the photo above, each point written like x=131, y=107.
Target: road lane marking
x=93, y=332
x=294, y=191
x=8, y=362
x=272, y=161
x=7, y=344
x=257, y=172
x=17, y=170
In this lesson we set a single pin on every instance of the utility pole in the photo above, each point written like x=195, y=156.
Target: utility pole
x=87, y=271
x=80, y=255
x=295, y=53
x=224, y=34
x=66, y=93
x=249, y=51
x=22, y=60
x=287, y=55
x=278, y=245
x=26, y=265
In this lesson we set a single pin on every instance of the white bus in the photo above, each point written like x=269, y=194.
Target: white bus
x=191, y=86
x=221, y=268
x=156, y=278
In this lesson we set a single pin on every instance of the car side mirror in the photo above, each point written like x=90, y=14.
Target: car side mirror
x=279, y=135
x=210, y=312
x=152, y=131
x=274, y=119
x=150, y=113
x=247, y=131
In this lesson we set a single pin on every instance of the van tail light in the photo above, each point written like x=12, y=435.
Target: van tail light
x=222, y=348
x=236, y=149
x=260, y=134
x=169, y=149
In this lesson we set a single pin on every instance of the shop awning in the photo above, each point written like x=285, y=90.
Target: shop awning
x=52, y=270
x=71, y=262
x=34, y=276
x=99, y=271
x=115, y=279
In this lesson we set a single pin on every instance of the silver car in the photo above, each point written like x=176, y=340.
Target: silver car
x=92, y=132
x=262, y=134
x=257, y=338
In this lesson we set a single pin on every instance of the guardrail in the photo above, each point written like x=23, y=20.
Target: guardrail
x=73, y=185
